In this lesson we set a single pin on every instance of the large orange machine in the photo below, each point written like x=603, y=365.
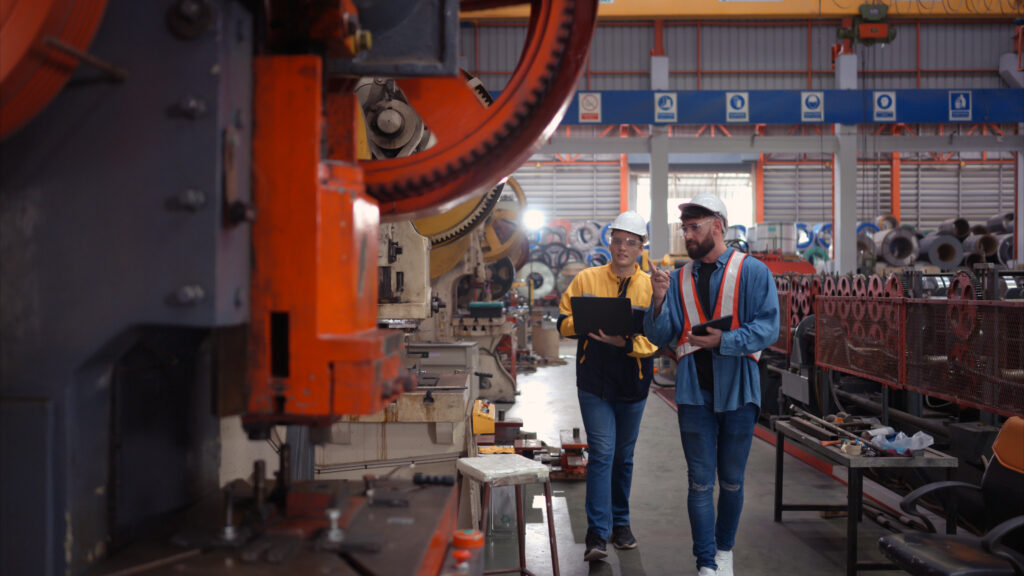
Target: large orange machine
x=188, y=235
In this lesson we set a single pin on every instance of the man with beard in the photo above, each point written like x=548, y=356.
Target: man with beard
x=718, y=390
x=613, y=376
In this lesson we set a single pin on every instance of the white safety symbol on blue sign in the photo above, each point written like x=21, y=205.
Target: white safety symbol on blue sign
x=885, y=107
x=665, y=109
x=737, y=107
x=812, y=106
x=959, y=105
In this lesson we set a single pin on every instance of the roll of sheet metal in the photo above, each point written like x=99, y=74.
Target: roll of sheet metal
x=972, y=258
x=804, y=236
x=897, y=246
x=886, y=221
x=984, y=245
x=537, y=274
x=585, y=235
x=942, y=250
x=867, y=227
x=815, y=254
x=823, y=234
x=598, y=257
x=958, y=227
x=736, y=232
x=865, y=251
x=979, y=229
x=1004, y=249
x=1001, y=223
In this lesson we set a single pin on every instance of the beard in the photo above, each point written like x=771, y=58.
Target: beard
x=700, y=250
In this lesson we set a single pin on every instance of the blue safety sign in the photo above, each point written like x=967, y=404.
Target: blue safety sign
x=960, y=106
x=737, y=107
x=665, y=109
x=812, y=106
x=885, y=107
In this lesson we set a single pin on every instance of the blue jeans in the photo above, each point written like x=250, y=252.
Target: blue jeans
x=612, y=429
x=713, y=440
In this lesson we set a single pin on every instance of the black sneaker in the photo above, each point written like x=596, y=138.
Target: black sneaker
x=595, y=547
x=622, y=538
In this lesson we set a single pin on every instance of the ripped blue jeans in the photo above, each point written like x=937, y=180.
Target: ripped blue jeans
x=715, y=441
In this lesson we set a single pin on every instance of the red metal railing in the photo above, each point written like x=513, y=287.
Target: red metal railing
x=859, y=336
x=785, y=330
x=967, y=352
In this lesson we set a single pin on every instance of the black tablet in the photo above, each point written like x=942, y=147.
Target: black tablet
x=724, y=324
x=591, y=314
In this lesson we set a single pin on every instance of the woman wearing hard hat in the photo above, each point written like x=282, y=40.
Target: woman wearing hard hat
x=718, y=390
x=613, y=375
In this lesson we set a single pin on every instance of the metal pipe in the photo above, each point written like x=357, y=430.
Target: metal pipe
x=916, y=421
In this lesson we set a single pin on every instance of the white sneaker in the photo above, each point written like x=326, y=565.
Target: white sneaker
x=706, y=571
x=724, y=561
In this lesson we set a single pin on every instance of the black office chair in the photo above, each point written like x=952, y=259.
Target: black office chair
x=1000, y=552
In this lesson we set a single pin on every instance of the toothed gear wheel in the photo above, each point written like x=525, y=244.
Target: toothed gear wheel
x=895, y=288
x=965, y=286
x=480, y=212
x=476, y=144
x=961, y=315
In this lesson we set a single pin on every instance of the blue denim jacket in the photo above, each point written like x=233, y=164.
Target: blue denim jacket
x=737, y=380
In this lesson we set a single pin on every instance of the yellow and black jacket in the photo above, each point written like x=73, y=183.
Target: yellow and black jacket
x=614, y=374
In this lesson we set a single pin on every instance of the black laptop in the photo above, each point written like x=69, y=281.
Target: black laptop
x=613, y=315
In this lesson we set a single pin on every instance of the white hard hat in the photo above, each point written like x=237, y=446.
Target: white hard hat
x=631, y=222
x=710, y=202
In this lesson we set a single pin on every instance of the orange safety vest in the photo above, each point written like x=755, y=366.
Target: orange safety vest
x=728, y=299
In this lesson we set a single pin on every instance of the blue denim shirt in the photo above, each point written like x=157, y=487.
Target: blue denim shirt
x=737, y=379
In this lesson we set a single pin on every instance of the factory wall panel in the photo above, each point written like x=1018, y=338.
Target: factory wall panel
x=620, y=58
x=498, y=49
x=964, y=46
x=874, y=190
x=934, y=192
x=797, y=193
x=781, y=51
x=572, y=191
x=681, y=49
x=822, y=40
x=802, y=192
x=467, y=54
x=760, y=56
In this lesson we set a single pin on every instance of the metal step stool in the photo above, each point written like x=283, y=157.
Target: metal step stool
x=512, y=470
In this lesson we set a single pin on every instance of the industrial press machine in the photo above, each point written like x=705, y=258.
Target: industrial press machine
x=190, y=245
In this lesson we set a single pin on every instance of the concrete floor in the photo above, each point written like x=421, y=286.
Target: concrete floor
x=804, y=543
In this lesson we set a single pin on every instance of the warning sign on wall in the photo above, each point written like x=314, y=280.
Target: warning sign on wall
x=590, y=106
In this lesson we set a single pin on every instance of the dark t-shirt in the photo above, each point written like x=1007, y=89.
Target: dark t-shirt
x=702, y=357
